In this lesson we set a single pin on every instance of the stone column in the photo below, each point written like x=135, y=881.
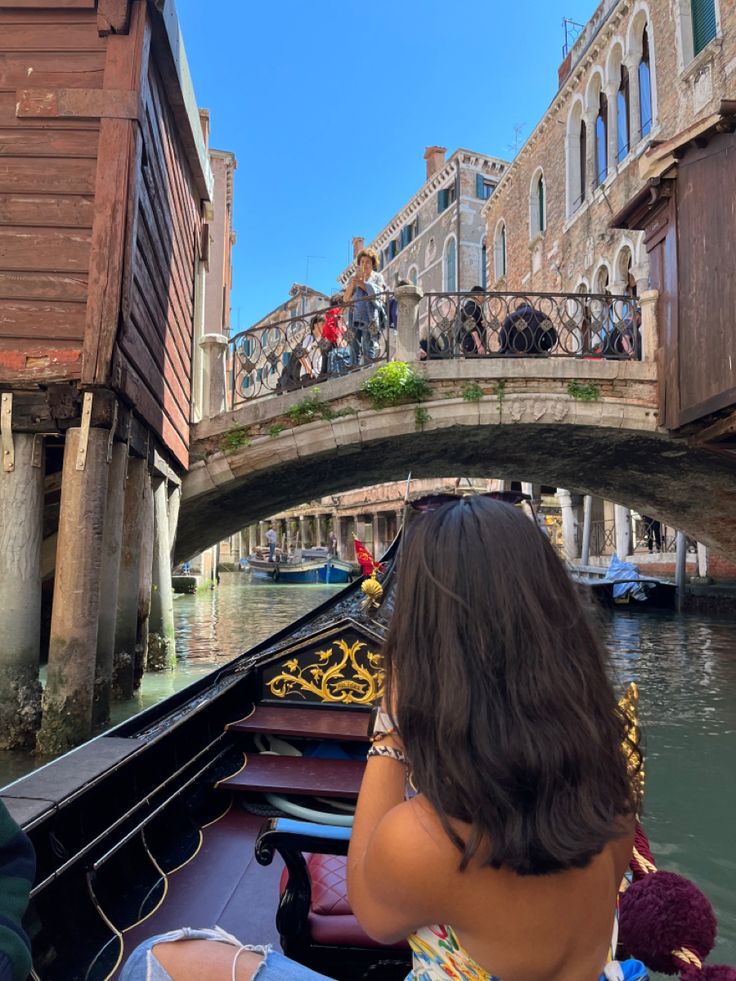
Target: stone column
x=174, y=503
x=612, y=148
x=569, y=525
x=252, y=538
x=21, y=531
x=304, y=530
x=67, y=700
x=161, y=647
x=680, y=568
x=634, y=101
x=649, y=330
x=131, y=541
x=407, y=322
x=214, y=387
x=319, y=529
x=337, y=523
x=262, y=529
x=702, y=561
x=112, y=536
x=622, y=517
x=587, y=516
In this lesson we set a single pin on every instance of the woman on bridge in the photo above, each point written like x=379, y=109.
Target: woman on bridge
x=507, y=861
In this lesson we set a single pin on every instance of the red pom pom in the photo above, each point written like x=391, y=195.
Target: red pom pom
x=661, y=913
x=717, y=972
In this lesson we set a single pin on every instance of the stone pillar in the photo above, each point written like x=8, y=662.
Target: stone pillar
x=319, y=529
x=304, y=530
x=112, y=537
x=252, y=538
x=214, y=387
x=131, y=541
x=161, y=648
x=612, y=148
x=702, y=561
x=262, y=534
x=587, y=516
x=337, y=524
x=622, y=517
x=680, y=568
x=21, y=531
x=407, y=323
x=174, y=503
x=67, y=699
x=145, y=583
x=569, y=525
x=634, y=101
x=649, y=330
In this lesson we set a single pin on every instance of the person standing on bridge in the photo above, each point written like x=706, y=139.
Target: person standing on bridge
x=271, y=541
x=365, y=310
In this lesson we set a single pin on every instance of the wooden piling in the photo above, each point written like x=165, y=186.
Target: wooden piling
x=21, y=524
x=109, y=575
x=131, y=543
x=67, y=700
x=161, y=647
x=145, y=584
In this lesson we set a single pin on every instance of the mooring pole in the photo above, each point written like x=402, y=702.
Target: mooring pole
x=161, y=650
x=680, y=566
x=587, y=515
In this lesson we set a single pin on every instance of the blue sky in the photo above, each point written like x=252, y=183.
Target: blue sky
x=328, y=106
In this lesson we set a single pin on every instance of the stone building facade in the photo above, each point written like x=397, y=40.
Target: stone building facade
x=437, y=240
x=640, y=72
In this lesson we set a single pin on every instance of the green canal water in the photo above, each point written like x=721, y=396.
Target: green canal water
x=686, y=670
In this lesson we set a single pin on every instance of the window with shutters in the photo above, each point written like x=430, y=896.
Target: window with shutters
x=537, y=206
x=499, y=251
x=645, y=87
x=445, y=198
x=705, y=25
x=450, y=265
x=483, y=187
x=601, y=139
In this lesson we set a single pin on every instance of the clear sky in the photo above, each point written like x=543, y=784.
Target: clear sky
x=328, y=105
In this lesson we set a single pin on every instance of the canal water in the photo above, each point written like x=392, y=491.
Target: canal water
x=686, y=670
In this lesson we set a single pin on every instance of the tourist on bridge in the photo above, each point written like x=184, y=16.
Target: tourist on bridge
x=366, y=310
x=471, y=334
x=527, y=331
x=333, y=337
x=271, y=539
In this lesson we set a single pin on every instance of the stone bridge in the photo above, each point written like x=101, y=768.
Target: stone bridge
x=587, y=425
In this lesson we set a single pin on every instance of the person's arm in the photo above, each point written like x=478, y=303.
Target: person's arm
x=17, y=871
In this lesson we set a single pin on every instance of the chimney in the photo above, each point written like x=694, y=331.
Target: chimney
x=435, y=157
x=204, y=121
x=358, y=245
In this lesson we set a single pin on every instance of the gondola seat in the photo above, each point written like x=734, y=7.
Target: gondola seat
x=314, y=919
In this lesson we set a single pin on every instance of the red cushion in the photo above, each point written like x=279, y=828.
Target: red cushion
x=329, y=885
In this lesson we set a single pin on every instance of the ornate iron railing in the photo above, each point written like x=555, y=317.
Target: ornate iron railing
x=289, y=354
x=646, y=537
x=512, y=325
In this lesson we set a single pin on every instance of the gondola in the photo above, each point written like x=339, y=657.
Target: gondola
x=226, y=804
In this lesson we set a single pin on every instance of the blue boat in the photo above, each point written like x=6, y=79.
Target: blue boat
x=289, y=570
x=338, y=571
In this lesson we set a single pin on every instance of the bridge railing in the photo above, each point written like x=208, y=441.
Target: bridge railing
x=286, y=355
x=523, y=325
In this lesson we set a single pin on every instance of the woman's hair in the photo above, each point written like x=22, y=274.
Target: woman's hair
x=501, y=692
x=372, y=255
x=318, y=318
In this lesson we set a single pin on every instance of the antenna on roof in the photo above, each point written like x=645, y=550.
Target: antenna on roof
x=514, y=147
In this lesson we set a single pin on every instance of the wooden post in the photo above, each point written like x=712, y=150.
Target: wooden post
x=131, y=544
x=407, y=323
x=112, y=535
x=569, y=525
x=67, y=700
x=145, y=584
x=21, y=526
x=622, y=519
x=680, y=569
x=587, y=515
x=161, y=648
x=174, y=504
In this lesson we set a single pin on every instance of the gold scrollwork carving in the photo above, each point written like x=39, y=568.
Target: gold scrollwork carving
x=348, y=675
x=629, y=706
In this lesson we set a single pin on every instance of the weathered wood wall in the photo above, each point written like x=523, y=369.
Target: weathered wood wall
x=47, y=183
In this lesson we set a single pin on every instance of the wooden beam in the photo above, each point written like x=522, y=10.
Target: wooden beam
x=717, y=430
x=125, y=67
x=113, y=17
x=77, y=104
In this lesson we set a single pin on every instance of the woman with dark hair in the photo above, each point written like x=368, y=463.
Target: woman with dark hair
x=501, y=720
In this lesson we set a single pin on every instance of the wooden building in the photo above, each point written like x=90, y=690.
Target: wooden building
x=687, y=210
x=105, y=191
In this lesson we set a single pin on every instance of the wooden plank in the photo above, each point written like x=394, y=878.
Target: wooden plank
x=43, y=286
x=104, y=103
x=126, y=63
x=47, y=210
x=39, y=363
x=50, y=4
x=47, y=250
x=50, y=34
x=37, y=319
x=26, y=175
x=306, y=723
x=8, y=119
x=48, y=143
x=306, y=776
x=153, y=362
x=113, y=16
x=48, y=69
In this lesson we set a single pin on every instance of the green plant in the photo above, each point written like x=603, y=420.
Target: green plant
x=235, y=439
x=309, y=409
x=584, y=391
x=421, y=417
x=394, y=383
x=472, y=392
x=348, y=410
x=278, y=427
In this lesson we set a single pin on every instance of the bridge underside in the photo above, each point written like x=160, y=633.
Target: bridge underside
x=651, y=472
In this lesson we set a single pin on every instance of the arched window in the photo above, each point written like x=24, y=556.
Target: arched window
x=623, y=139
x=483, y=264
x=705, y=26
x=499, y=251
x=451, y=266
x=601, y=139
x=645, y=87
x=583, y=158
x=537, y=207
x=413, y=275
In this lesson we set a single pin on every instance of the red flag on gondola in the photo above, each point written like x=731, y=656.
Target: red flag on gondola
x=367, y=563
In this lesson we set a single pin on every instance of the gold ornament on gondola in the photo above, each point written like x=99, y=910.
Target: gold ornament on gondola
x=373, y=592
x=629, y=705
x=349, y=674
